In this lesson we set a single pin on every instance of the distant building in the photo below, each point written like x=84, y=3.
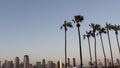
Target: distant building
x=21, y=65
x=59, y=64
x=38, y=64
x=11, y=64
x=30, y=66
x=5, y=64
x=43, y=63
x=26, y=61
x=49, y=64
x=16, y=62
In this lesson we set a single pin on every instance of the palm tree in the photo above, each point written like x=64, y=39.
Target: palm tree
x=116, y=28
x=88, y=37
x=100, y=32
x=65, y=25
x=93, y=34
x=77, y=19
x=108, y=27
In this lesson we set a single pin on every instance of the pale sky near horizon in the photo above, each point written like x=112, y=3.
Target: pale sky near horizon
x=33, y=27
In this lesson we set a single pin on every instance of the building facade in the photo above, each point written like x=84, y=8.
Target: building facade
x=26, y=61
x=16, y=62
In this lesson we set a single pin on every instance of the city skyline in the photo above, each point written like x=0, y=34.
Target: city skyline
x=39, y=63
x=33, y=28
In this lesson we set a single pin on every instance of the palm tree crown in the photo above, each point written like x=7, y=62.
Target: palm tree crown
x=66, y=24
x=115, y=28
x=87, y=34
x=101, y=30
x=78, y=19
x=94, y=27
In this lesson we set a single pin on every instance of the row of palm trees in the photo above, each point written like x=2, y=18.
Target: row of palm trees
x=96, y=30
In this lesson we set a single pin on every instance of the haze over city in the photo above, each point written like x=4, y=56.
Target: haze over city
x=32, y=27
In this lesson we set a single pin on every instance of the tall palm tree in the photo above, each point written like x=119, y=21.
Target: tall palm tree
x=108, y=27
x=100, y=32
x=94, y=28
x=116, y=28
x=78, y=19
x=65, y=25
x=88, y=37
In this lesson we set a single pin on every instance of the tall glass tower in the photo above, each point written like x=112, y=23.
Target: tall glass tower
x=26, y=61
x=16, y=62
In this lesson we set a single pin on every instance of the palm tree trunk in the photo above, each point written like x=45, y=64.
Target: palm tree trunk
x=103, y=51
x=90, y=51
x=65, y=49
x=95, y=52
x=118, y=42
x=80, y=48
x=110, y=48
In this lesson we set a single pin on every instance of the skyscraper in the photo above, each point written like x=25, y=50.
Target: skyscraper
x=43, y=63
x=49, y=64
x=16, y=62
x=6, y=64
x=30, y=65
x=26, y=61
x=9, y=64
x=38, y=64
x=59, y=64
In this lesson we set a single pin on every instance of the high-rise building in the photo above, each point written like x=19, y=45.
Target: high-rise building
x=38, y=64
x=21, y=65
x=74, y=62
x=6, y=64
x=26, y=61
x=49, y=64
x=16, y=62
x=10, y=64
x=59, y=64
x=43, y=63
x=30, y=65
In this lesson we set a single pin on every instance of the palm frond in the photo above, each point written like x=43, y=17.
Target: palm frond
x=61, y=27
x=69, y=24
x=73, y=20
x=84, y=36
x=78, y=18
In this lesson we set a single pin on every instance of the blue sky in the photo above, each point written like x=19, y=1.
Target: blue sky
x=32, y=27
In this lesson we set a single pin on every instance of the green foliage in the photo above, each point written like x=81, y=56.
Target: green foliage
x=101, y=30
x=94, y=28
x=66, y=24
x=87, y=34
x=78, y=18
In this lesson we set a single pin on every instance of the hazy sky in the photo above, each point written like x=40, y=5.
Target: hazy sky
x=33, y=27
